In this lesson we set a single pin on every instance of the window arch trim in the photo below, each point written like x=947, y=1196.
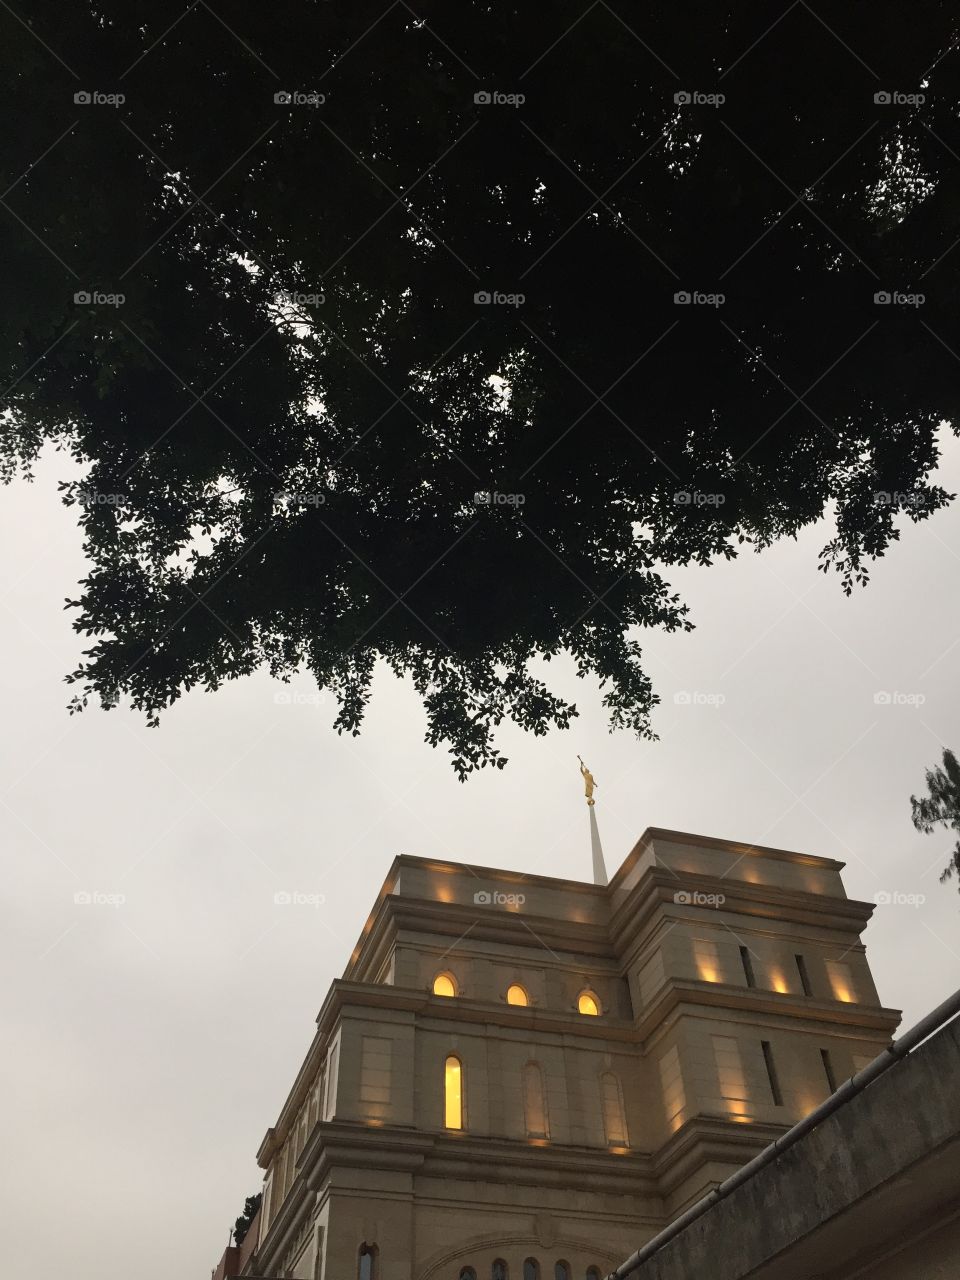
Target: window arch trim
x=445, y=979
x=588, y=1003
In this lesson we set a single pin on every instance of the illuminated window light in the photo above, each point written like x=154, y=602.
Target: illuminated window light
x=707, y=960
x=453, y=1093
x=444, y=985
x=588, y=1004
x=841, y=981
x=517, y=995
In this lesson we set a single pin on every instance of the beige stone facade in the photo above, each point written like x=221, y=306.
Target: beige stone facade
x=467, y=1135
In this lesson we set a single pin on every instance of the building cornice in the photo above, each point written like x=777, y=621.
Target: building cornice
x=823, y=1015
x=657, y=889
x=738, y=847
x=445, y=1155
x=705, y=1139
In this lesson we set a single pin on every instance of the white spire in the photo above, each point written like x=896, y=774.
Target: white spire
x=599, y=870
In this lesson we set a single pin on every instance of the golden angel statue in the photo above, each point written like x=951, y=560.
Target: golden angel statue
x=589, y=782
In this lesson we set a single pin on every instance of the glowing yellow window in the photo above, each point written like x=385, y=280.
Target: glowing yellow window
x=443, y=985
x=588, y=1004
x=516, y=995
x=452, y=1094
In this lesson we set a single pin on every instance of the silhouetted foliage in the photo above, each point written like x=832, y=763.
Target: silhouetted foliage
x=250, y=1208
x=940, y=807
x=287, y=421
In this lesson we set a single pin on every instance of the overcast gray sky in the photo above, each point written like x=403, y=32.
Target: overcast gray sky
x=151, y=1043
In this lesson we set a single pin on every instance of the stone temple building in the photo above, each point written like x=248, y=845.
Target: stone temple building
x=525, y=1078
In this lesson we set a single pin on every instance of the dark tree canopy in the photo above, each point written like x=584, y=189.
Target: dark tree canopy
x=289, y=418
x=940, y=807
x=243, y=1224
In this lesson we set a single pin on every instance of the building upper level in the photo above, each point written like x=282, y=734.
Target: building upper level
x=710, y=983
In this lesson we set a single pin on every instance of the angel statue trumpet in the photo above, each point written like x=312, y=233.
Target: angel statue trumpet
x=589, y=782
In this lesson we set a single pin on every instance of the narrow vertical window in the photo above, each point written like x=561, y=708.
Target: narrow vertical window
x=367, y=1262
x=804, y=976
x=534, y=1107
x=828, y=1070
x=561, y=1271
x=531, y=1269
x=452, y=1093
x=593, y=1273
x=771, y=1066
x=614, y=1125
x=747, y=966
x=467, y=1273
x=499, y=1270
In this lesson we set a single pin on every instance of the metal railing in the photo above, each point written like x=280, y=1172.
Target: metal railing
x=856, y=1084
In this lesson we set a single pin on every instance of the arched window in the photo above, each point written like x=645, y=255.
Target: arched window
x=611, y=1100
x=367, y=1268
x=499, y=1270
x=444, y=985
x=452, y=1094
x=593, y=1273
x=562, y=1270
x=588, y=1004
x=534, y=1104
x=516, y=994
x=467, y=1273
x=531, y=1269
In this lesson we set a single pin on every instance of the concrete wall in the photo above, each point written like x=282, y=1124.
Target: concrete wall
x=873, y=1192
